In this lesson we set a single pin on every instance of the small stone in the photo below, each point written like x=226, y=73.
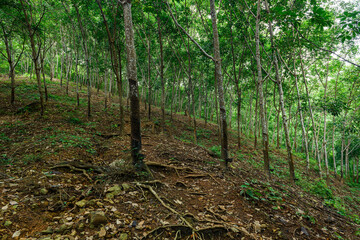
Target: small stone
x=125, y=186
x=7, y=223
x=120, y=223
x=44, y=191
x=119, y=163
x=81, y=203
x=97, y=218
x=13, y=203
x=115, y=189
x=330, y=220
x=133, y=224
x=102, y=232
x=304, y=231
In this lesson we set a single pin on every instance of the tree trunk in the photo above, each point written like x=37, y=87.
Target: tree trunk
x=133, y=85
x=87, y=61
x=325, y=138
x=161, y=72
x=256, y=113
x=264, y=123
x=311, y=116
x=218, y=74
x=8, y=44
x=35, y=55
x=42, y=56
x=305, y=139
x=282, y=105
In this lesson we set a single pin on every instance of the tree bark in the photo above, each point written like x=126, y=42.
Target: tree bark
x=264, y=124
x=282, y=105
x=87, y=60
x=34, y=52
x=311, y=116
x=218, y=74
x=133, y=85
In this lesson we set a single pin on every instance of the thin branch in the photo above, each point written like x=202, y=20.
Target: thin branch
x=22, y=51
x=187, y=34
x=325, y=50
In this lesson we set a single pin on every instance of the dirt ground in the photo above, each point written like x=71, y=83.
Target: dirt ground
x=66, y=176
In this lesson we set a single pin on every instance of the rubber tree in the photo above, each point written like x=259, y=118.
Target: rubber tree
x=260, y=81
x=114, y=58
x=278, y=82
x=136, y=155
x=218, y=77
x=31, y=30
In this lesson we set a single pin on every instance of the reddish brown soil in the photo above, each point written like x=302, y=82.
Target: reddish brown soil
x=188, y=178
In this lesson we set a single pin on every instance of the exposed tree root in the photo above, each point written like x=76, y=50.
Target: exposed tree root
x=155, y=164
x=189, y=229
x=107, y=136
x=196, y=175
x=79, y=167
x=165, y=205
x=202, y=233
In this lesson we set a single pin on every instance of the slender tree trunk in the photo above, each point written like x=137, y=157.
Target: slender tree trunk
x=325, y=137
x=133, y=84
x=116, y=64
x=35, y=55
x=217, y=58
x=311, y=116
x=264, y=123
x=161, y=73
x=342, y=155
x=8, y=44
x=87, y=61
x=282, y=105
x=42, y=56
x=256, y=116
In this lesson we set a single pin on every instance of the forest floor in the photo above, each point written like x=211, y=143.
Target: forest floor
x=66, y=176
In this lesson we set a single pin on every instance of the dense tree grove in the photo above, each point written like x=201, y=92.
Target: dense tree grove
x=284, y=72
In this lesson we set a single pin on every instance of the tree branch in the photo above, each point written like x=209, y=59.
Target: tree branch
x=187, y=34
x=323, y=49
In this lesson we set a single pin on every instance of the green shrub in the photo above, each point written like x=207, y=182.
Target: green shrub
x=216, y=149
x=31, y=158
x=321, y=189
x=5, y=160
x=74, y=120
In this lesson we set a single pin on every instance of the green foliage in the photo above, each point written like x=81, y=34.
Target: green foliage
x=321, y=189
x=249, y=192
x=203, y=133
x=74, y=120
x=5, y=160
x=64, y=140
x=31, y=158
x=216, y=149
x=4, y=138
x=256, y=190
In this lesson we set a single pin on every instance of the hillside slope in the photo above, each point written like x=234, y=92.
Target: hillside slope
x=64, y=176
